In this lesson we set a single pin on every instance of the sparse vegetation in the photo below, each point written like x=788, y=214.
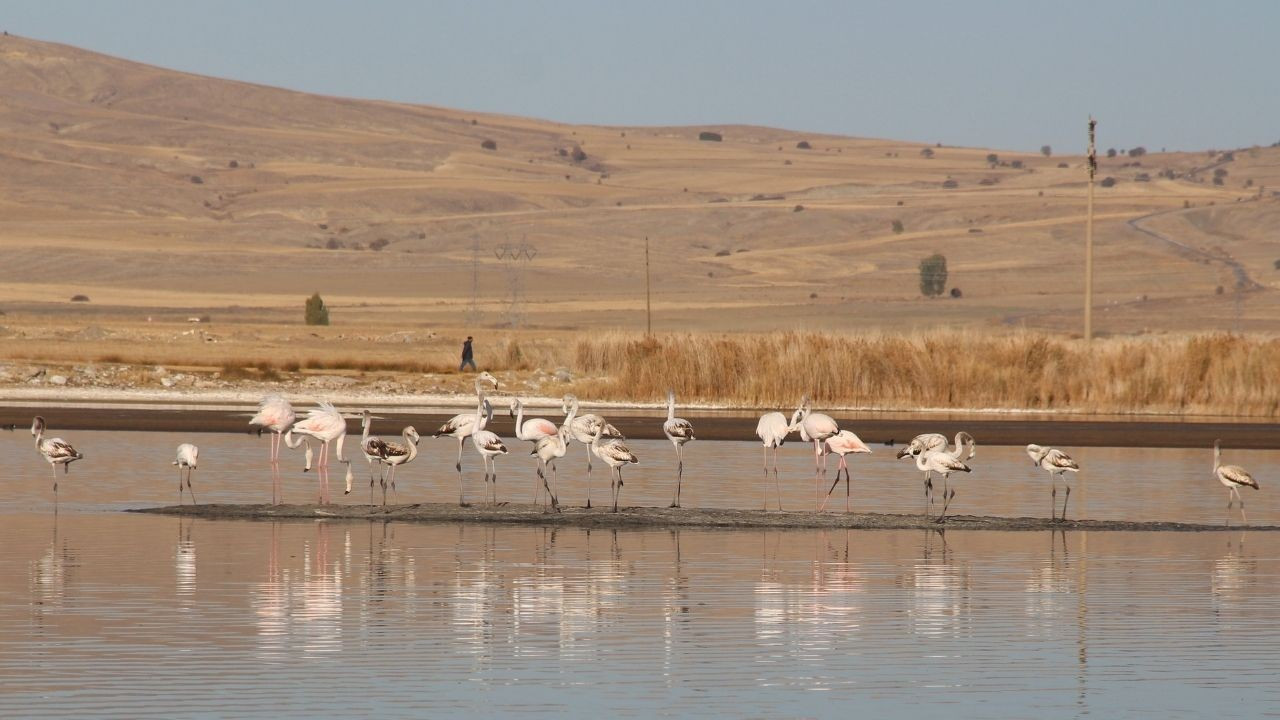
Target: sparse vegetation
x=804, y=145
x=378, y=244
x=1137, y=152
x=316, y=312
x=79, y=298
x=708, y=136
x=926, y=153
x=197, y=180
x=1016, y=164
x=578, y=154
x=1108, y=182
x=1111, y=152
x=488, y=144
x=798, y=208
x=950, y=184
x=993, y=159
x=1046, y=150
x=955, y=293
x=1063, y=165
x=933, y=275
x=897, y=226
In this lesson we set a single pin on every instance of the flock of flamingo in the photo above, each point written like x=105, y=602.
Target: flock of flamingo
x=932, y=453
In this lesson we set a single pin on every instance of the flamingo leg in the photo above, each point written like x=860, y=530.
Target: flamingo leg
x=588, y=476
x=847, y=490
x=190, y=489
x=764, y=496
x=1065, y=500
x=823, y=506
x=550, y=495
x=180, y=485
x=1053, y=495
x=1243, y=519
x=555, y=483
x=675, y=499
x=458, y=465
x=494, y=478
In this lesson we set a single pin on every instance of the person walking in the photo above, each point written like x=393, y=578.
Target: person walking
x=467, y=357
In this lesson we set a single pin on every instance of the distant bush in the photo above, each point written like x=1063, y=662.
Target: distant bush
x=378, y=244
x=1063, y=165
x=233, y=164
x=1220, y=172
x=1218, y=290
x=804, y=145
x=488, y=144
x=197, y=180
x=579, y=154
x=1137, y=152
x=993, y=159
x=926, y=153
x=955, y=293
x=987, y=182
x=897, y=226
x=1142, y=177
x=798, y=208
x=933, y=275
x=709, y=136
x=79, y=298
x=1217, y=180
x=334, y=244
x=317, y=313
x=950, y=184
x=1016, y=164
x=1045, y=150
x=722, y=253
x=1108, y=182
x=1111, y=152
x=1277, y=264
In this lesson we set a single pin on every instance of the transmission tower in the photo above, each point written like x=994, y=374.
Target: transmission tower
x=473, y=307
x=515, y=257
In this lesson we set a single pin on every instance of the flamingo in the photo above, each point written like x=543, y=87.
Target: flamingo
x=944, y=463
x=488, y=444
x=370, y=446
x=615, y=454
x=56, y=451
x=393, y=455
x=551, y=448
x=773, y=430
x=325, y=424
x=843, y=443
x=460, y=426
x=531, y=430
x=679, y=431
x=816, y=427
x=187, y=456
x=929, y=443
x=277, y=415
x=1056, y=463
x=583, y=429
x=1233, y=477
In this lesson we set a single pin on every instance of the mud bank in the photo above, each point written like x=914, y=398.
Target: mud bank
x=641, y=517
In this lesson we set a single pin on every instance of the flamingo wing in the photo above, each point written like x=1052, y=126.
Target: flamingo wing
x=1237, y=475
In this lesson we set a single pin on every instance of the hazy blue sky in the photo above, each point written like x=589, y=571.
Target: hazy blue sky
x=1176, y=74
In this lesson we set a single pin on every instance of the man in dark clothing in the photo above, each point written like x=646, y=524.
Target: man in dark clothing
x=467, y=357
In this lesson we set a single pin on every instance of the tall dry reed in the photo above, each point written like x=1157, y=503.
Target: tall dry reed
x=1200, y=374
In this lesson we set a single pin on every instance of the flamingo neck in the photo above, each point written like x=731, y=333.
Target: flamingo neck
x=671, y=406
x=520, y=420
x=413, y=446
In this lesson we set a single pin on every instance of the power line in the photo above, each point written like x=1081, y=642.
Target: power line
x=515, y=257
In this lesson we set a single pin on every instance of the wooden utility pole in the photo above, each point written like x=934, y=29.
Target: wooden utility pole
x=648, y=306
x=1088, y=239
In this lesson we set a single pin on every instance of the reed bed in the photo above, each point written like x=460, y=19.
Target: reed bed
x=1219, y=374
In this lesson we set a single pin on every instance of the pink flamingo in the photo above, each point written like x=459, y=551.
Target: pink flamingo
x=274, y=414
x=531, y=430
x=816, y=427
x=583, y=429
x=679, y=431
x=326, y=425
x=187, y=457
x=488, y=444
x=843, y=443
x=773, y=430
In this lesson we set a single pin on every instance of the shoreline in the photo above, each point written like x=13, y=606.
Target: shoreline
x=660, y=518
x=229, y=413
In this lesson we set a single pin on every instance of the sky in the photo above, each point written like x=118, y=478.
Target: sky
x=1011, y=75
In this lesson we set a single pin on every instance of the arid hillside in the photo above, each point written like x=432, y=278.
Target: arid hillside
x=162, y=194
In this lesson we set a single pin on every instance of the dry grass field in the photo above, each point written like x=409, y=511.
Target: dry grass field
x=162, y=196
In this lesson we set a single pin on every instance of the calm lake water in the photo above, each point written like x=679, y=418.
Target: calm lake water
x=106, y=614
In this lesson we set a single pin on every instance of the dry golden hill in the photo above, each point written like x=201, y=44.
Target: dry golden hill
x=159, y=193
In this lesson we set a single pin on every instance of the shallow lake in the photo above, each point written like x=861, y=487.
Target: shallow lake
x=104, y=613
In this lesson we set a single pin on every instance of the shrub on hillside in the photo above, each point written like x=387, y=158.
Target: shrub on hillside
x=488, y=144
x=709, y=136
x=316, y=313
x=933, y=275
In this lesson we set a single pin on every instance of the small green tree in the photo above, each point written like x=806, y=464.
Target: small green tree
x=1045, y=150
x=317, y=313
x=933, y=275
x=993, y=159
x=897, y=226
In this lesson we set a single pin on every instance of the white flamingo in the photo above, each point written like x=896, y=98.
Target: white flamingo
x=615, y=454
x=550, y=449
x=843, y=443
x=531, y=430
x=583, y=429
x=460, y=426
x=1055, y=462
x=326, y=425
x=489, y=445
x=1232, y=477
x=679, y=431
x=56, y=451
x=275, y=414
x=816, y=427
x=773, y=429
x=929, y=443
x=188, y=455
x=393, y=455
x=943, y=463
